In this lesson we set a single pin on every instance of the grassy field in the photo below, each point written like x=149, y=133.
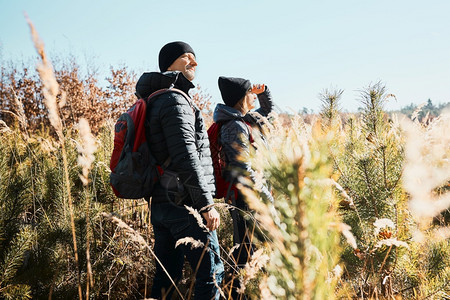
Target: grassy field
x=360, y=212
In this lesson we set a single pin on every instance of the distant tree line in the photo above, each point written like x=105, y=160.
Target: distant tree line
x=83, y=95
x=428, y=109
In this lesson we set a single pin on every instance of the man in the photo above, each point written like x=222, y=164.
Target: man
x=177, y=138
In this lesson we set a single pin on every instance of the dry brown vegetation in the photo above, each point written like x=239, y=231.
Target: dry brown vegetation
x=361, y=208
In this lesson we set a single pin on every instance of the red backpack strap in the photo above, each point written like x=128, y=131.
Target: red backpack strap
x=250, y=130
x=138, y=114
x=172, y=89
x=155, y=94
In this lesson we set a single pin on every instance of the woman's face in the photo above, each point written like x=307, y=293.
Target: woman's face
x=249, y=100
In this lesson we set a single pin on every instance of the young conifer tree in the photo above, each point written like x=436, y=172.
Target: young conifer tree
x=369, y=165
x=302, y=225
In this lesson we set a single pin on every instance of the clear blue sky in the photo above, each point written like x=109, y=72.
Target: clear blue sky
x=298, y=48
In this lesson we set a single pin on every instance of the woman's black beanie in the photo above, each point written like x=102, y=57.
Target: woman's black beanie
x=170, y=52
x=233, y=89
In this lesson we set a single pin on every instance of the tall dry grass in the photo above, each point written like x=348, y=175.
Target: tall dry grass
x=361, y=206
x=50, y=91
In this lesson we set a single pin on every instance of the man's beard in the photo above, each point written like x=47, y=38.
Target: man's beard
x=189, y=74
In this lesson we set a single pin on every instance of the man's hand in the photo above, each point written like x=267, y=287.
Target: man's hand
x=212, y=218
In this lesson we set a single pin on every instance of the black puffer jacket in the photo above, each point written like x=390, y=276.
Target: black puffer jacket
x=235, y=135
x=175, y=129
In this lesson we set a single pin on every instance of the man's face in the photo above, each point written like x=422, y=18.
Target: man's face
x=185, y=64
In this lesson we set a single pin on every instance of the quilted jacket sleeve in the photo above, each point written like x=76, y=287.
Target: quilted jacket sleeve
x=178, y=125
x=265, y=102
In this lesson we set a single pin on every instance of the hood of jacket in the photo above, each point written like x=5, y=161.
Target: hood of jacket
x=223, y=113
x=150, y=82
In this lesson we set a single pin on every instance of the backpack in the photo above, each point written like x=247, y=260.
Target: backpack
x=224, y=189
x=134, y=170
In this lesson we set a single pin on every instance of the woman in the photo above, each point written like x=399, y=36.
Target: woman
x=239, y=127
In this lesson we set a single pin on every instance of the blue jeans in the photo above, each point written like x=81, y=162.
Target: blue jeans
x=243, y=231
x=171, y=223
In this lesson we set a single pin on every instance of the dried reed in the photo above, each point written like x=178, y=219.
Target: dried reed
x=18, y=107
x=197, y=217
x=252, y=267
x=50, y=90
x=190, y=241
x=427, y=166
x=86, y=149
x=86, y=157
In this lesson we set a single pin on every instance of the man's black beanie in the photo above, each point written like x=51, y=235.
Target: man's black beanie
x=170, y=52
x=233, y=89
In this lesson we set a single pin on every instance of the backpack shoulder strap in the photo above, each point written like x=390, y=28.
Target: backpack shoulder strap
x=172, y=89
x=164, y=91
x=250, y=129
x=214, y=131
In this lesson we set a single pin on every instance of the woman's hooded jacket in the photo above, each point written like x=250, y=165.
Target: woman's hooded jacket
x=236, y=135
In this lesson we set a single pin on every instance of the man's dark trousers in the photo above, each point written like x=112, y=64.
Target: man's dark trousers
x=171, y=223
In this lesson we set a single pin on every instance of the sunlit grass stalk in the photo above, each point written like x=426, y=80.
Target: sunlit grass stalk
x=85, y=159
x=89, y=275
x=50, y=91
x=427, y=166
x=20, y=113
